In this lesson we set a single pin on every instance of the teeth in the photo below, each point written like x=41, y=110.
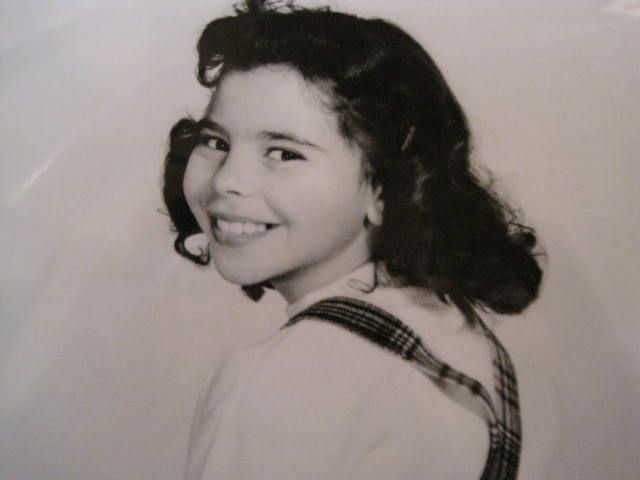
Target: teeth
x=235, y=227
x=241, y=228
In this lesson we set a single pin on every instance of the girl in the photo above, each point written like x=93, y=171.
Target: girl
x=332, y=164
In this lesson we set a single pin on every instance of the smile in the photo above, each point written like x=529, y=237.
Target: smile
x=241, y=228
x=236, y=232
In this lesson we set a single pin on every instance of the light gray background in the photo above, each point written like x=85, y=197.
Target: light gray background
x=106, y=336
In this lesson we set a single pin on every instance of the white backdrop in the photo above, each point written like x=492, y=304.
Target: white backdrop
x=106, y=336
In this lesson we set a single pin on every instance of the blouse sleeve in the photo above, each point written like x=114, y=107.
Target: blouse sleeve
x=321, y=403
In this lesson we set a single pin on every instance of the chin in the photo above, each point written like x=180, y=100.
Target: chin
x=239, y=274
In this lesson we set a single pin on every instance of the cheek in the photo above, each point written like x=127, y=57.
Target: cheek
x=321, y=200
x=197, y=186
x=192, y=183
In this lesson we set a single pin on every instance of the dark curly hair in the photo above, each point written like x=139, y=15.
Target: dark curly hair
x=442, y=229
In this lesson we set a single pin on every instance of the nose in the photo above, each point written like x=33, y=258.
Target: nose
x=234, y=176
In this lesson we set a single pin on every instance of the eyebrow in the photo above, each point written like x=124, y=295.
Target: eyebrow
x=209, y=124
x=288, y=137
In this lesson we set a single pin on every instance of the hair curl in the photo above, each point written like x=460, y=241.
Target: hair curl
x=442, y=229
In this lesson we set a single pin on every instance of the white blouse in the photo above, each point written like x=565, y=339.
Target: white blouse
x=315, y=401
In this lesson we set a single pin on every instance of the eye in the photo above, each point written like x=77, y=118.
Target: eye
x=283, y=155
x=214, y=142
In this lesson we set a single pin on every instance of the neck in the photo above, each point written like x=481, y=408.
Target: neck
x=295, y=286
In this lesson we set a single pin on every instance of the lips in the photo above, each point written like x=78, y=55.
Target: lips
x=234, y=230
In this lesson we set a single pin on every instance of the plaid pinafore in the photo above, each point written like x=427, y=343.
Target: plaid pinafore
x=389, y=332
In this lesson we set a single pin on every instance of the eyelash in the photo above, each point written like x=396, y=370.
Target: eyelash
x=216, y=143
x=287, y=155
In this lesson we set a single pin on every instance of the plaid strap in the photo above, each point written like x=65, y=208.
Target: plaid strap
x=387, y=331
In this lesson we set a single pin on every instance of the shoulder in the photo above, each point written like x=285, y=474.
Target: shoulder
x=234, y=368
x=317, y=364
x=335, y=387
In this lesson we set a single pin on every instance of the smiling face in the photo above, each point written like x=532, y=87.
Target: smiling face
x=279, y=192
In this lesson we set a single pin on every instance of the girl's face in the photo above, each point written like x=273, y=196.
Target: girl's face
x=279, y=192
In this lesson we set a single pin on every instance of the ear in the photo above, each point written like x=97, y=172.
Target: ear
x=375, y=207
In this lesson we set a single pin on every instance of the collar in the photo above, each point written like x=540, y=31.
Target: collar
x=354, y=284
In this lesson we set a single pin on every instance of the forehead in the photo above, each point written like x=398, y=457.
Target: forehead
x=273, y=98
